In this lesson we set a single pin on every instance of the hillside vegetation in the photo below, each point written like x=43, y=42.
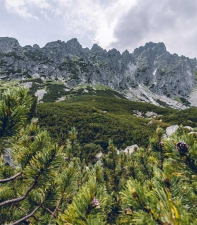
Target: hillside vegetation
x=45, y=182
x=100, y=115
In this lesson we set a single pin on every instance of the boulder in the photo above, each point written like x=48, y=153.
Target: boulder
x=171, y=129
x=194, y=134
x=151, y=114
x=98, y=155
x=7, y=157
x=131, y=149
x=189, y=128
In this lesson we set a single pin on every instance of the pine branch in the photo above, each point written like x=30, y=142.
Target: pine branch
x=26, y=212
x=56, y=208
x=11, y=178
x=30, y=188
x=48, y=210
x=59, y=210
x=162, y=155
x=145, y=167
x=28, y=216
x=20, y=198
x=147, y=209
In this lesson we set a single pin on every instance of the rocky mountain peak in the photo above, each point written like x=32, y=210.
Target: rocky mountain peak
x=114, y=53
x=74, y=47
x=73, y=43
x=27, y=48
x=55, y=44
x=157, y=46
x=9, y=45
x=150, y=50
x=35, y=46
x=96, y=48
x=125, y=53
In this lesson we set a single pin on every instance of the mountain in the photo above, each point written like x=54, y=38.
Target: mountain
x=149, y=74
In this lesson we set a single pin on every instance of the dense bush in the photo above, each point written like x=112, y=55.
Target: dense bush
x=99, y=120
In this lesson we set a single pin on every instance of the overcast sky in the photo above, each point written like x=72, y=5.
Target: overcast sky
x=120, y=24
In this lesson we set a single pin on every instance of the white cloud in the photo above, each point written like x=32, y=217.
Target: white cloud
x=18, y=6
x=23, y=7
x=108, y=21
x=90, y=17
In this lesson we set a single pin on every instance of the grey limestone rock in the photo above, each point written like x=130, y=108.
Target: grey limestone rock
x=9, y=45
x=7, y=157
x=189, y=128
x=131, y=149
x=171, y=129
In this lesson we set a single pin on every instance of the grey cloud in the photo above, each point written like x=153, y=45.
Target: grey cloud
x=170, y=21
x=183, y=8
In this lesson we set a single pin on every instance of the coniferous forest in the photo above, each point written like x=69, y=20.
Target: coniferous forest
x=47, y=177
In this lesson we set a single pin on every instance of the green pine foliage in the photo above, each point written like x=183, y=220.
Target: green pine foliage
x=61, y=181
x=90, y=206
x=15, y=107
x=36, y=176
x=168, y=196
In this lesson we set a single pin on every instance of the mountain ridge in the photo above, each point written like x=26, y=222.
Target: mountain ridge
x=149, y=74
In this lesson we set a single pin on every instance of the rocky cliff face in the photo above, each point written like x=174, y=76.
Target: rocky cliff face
x=150, y=68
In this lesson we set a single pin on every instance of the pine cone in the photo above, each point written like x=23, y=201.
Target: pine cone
x=128, y=211
x=161, y=144
x=96, y=203
x=135, y=195
x=182, y=148
x=31, y=138
x=167, y=182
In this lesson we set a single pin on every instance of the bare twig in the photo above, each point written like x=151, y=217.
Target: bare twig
x=48, y=210
x=26, y=212
x=20, y=198
x=11, y=178
x=57, y=206
x=26, y=217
